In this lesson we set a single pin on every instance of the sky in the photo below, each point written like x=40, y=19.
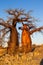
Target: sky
x=35, y=5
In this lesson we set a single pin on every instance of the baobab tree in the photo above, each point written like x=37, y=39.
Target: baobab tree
x=13, y=42
x=27, y=31
x=17, y=16
x=25, y=38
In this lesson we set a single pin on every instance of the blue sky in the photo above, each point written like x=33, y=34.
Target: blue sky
x=35, y=5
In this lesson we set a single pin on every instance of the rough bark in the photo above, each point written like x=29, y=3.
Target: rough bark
x=13, y=41
x=26, y=40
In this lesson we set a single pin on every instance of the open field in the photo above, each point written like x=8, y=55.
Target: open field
x=31, y=58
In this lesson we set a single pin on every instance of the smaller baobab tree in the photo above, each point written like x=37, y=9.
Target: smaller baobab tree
x=27, y=31
x=25, y=38
x=17, y=16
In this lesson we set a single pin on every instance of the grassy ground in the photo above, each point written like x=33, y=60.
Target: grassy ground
x=31, y=58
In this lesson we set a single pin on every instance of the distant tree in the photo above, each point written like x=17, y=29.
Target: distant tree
x=18, y=15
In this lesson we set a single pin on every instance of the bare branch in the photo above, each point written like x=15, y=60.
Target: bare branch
x=5, y=33
x=35, y=30
x=19, y=15
x=1, y=20
x=5, y=24
x=15, y=11
x=18, y=12
x=2, y=29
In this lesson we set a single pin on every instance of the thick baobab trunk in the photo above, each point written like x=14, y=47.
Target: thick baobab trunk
x=26, y=40
x=13, y=41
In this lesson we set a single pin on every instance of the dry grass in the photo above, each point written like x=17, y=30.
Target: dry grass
x=21, y=58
